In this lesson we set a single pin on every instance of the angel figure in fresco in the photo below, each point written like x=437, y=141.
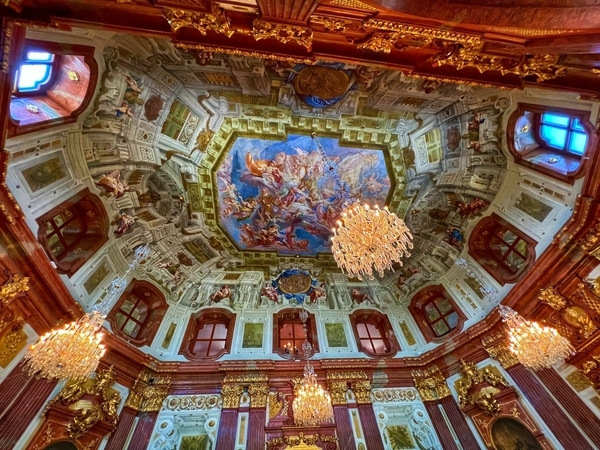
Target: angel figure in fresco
x=455, y=237
x=112, y=184
x=223, y=293
x=472, y=208
x=124, y=223
x=317, y=293
x=124, y=109
x=133, y=90
x=270, y=293
x=359, y=296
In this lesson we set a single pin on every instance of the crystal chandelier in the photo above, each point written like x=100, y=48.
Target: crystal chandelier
x=369, y=240
x=535, y=347
x=312, y=404
x=74, y=350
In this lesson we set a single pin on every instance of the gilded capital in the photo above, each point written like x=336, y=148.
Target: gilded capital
x=338, y=389
x=552, y=298
x=259, y=393
x=232, y=394
x=503, y=355
x=431, y=384
x=13, y=287
x=362, y=391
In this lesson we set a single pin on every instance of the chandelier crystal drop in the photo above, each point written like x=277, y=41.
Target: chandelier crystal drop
x=74, y=351
x=536, y=347
x=312, y=404
x=369, y=240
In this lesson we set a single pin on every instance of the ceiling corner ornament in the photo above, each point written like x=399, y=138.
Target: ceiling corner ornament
x=283, y=32
x=312, y=404
x=75, y=350
x=535, y=346
x=430, y=383
x=369, y=240
x=216, y=20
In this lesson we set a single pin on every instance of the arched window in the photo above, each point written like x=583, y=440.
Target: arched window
x=550, y=140
x=374, y=333
x=436, y=314
x=288, y=333
x=501, y=249
x=138, y=313
x=209, y=335
x=53, y=84
x=73, y=231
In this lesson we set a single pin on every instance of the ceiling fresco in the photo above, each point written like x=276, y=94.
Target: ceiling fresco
x=286, y=196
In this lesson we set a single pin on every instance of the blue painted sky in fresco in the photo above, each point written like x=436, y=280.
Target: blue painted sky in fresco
x=284, y=198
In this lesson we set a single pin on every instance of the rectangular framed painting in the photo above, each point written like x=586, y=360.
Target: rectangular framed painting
x=253, y=335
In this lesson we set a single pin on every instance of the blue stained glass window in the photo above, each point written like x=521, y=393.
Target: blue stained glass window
x=35, y=71
x=563, y=132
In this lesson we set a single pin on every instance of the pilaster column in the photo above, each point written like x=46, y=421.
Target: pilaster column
x=146, y=398
x=572, y=403
x=259, y=393
x=338, y=389
x=229, y=417
x=362, y=393
x=433, y=389
x=119, y=436
x=459, y=423
x=548, y=409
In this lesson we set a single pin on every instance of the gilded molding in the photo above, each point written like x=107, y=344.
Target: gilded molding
x=362, y=391
x=216, y=20
x=231, y=395
x=246, y=378
x=550, y=297
x=347, y=376
x=12, y=342
x=276, y=402
x=250, y=54
x=284, y=33
x=394, y=395
x=591, y=240
x=259, y=393
x=16, y=285
x=423, y=34
x=301, y=440
x=430, y=383
x=330, y=24
x=6, y=45
x=380, y=42
x=503, y=355
x=338, y=390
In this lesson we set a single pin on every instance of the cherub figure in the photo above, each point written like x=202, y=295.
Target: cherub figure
x=124, y=109
x=359, y=296
x=124, y=223
x=221, y=294
x=112, y=184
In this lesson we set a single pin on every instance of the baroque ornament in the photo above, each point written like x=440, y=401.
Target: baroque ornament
x=535, y=347
x=13, y=287
x=431, y=384
x=215, y=21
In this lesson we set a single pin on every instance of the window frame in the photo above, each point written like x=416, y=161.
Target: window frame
x=291, y=315
x=480, y=251
x=156, y=303
x=383, y=325
x=70, y=267
x=204, y=317
x=426, y=296
x=58, y=50
x=520, y=157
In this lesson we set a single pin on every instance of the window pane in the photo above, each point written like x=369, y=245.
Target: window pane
x=205, y=331
x=298, y=331
x=498, y=247
x=576, y=125
x=556, y=119
x=521, y=247
x=379, y=346
x=53, y=243
x=141, y=312
x=216, y=347
x=128, y=304
x=120, y=319
x=32, y=76
x=507, y=236
x=373, y=330
x=39, y=56
x=440, y=328
x=361, y=328
x=366, y=344
x=577, y=142
x=443, y=305
x=514, y=262
x=220, y=331
x=431, y=313
x=201, y=348
x=131, y=328
x=286, y=331
x=452, y=320
x=554, y=137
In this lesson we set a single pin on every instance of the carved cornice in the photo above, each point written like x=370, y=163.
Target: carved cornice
x=246, y=378
x=216, y=20
x=347, y=376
